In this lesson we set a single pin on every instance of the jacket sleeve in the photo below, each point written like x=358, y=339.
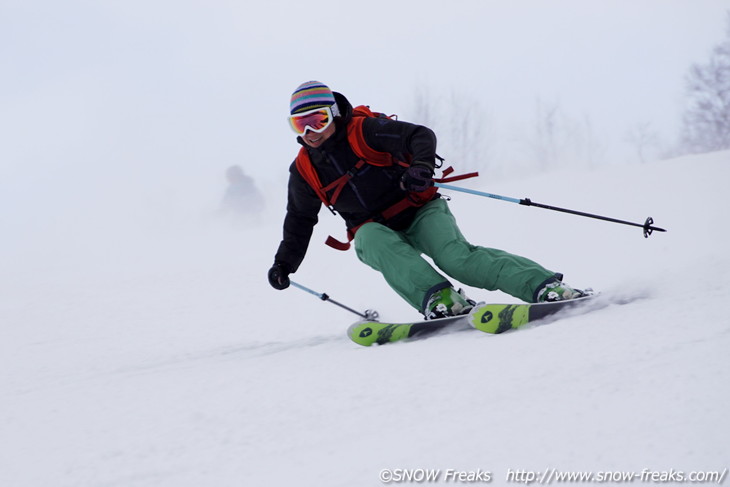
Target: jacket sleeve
x=302, y=210
x=395, y=137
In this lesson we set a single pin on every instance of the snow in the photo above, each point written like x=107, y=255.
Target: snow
x=149, y=350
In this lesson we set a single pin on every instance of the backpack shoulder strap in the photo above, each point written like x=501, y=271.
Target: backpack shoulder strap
x=356, y=138
x=305, y=168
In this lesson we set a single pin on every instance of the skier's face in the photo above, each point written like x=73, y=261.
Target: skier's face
x=314, y=140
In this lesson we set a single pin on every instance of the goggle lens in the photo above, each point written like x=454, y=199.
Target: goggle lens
x=315, y=120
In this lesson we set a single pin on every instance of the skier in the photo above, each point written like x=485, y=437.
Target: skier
x=392, y=212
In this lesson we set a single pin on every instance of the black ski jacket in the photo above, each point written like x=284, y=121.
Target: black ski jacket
x=370, y=191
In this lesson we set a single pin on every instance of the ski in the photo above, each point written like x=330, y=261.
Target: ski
x=498, y=318
x=489, y=318
x=368, y=333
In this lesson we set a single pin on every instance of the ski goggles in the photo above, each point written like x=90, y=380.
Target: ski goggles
x=316, y=120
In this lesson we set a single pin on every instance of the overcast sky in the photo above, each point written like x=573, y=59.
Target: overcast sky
x=149, y=90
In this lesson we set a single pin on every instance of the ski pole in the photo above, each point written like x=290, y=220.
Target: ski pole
x=647, y=225
x=369, y=314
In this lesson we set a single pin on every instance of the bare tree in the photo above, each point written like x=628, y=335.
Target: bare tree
x=706, y=120
x=461, y=125
x=592, y=151
x=549, y=136
x=642, y=137
x=559, y=140
x=470, y=133
x=423, y=111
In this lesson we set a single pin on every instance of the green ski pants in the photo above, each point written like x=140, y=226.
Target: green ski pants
x=434, y=232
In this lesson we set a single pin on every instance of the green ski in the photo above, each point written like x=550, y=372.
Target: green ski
x=489, y=318
x=367, y=333
x=498, y=318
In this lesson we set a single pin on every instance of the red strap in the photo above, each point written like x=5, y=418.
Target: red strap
x=339, y=183
x=413, y=199
x=306, y=169
x=456, y=178
x=356, y=138
x=336, y=244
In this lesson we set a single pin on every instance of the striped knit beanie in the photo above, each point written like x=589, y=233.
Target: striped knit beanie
x=311, y=95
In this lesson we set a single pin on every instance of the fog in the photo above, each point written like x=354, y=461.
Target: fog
x=129, y=112
x=142, y=345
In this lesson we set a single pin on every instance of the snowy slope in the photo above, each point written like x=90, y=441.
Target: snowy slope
x=141, y=353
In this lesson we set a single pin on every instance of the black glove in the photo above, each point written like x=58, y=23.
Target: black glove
x=279, y=276
x=418, y=177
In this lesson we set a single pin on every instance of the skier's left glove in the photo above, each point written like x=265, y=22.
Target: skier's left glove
x=279, y=276
x=418, y=177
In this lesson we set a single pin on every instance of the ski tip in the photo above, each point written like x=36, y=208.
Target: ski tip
x=354, y=330
x=363, y=333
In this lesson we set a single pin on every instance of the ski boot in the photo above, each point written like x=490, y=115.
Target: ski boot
x=559, y=291
x=447, y=302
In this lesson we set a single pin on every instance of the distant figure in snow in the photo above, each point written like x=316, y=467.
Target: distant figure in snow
x=242, y=198
x=378, y=175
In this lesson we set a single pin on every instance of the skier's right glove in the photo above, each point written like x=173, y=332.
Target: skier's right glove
x=279, y=276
